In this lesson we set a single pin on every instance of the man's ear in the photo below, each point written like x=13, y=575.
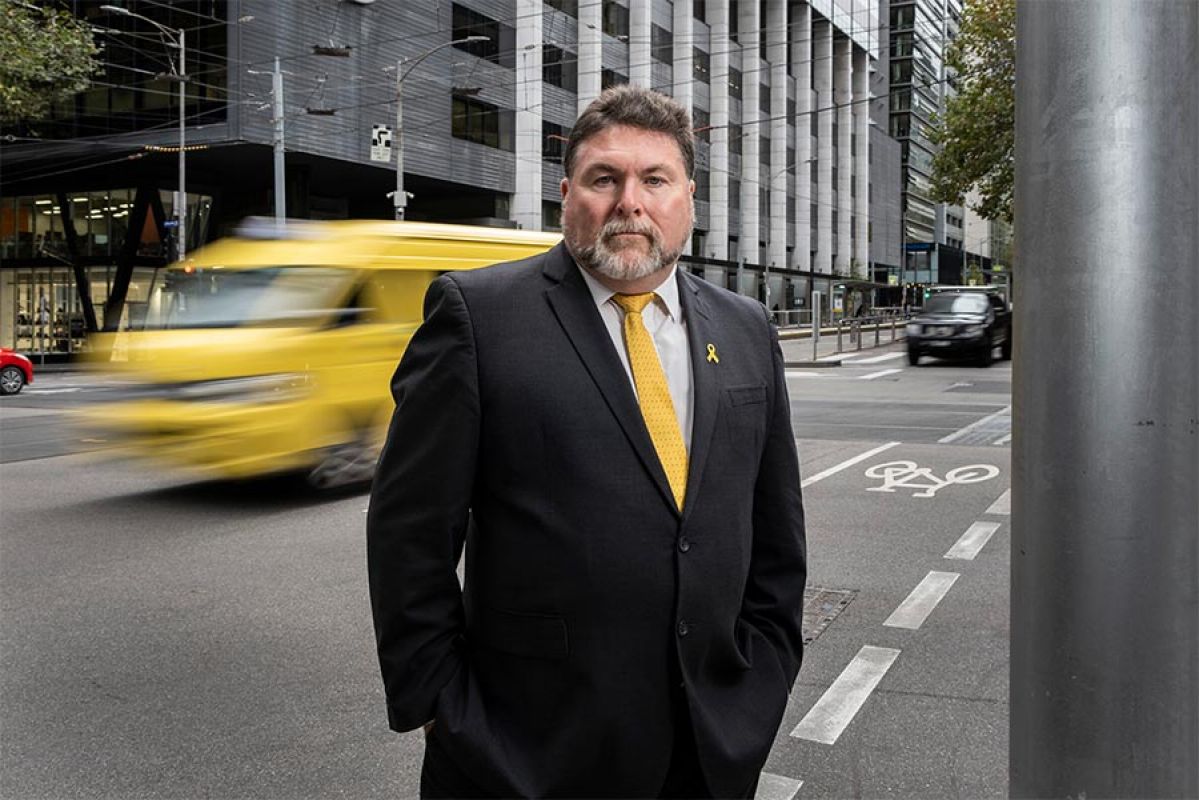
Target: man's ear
x=692, y=184
x=564, y=186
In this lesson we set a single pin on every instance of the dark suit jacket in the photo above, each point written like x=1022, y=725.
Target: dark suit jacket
x=517, y=431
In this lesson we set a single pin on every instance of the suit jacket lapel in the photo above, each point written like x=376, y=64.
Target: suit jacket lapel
x=575, y=309
x=706, y=381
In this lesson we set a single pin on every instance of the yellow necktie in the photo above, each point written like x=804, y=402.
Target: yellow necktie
x=653, y=394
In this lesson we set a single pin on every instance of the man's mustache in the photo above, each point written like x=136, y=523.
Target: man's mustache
x=615, y=228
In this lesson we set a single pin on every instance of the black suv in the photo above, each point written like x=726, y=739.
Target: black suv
x=961, y=324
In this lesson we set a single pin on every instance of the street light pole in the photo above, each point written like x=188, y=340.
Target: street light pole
x=181, y=195
x=399, y=199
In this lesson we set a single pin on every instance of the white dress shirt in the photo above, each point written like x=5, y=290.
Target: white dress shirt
x=664, y=320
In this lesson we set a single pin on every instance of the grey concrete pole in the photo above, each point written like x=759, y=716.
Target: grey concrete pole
x=279, y=155
x=1105, y=459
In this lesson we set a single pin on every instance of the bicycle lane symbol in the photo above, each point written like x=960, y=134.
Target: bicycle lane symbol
x=908, y=475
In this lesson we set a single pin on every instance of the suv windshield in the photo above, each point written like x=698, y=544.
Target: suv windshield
x=223, y=298
x=956, y=304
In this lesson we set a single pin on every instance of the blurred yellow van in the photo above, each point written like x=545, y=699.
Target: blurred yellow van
x=272, y=352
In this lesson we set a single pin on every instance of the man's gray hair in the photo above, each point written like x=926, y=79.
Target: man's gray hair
x=635, y=107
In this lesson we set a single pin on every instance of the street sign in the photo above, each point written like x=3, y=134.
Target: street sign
x=380, y=143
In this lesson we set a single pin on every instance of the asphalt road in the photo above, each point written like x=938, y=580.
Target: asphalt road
x=167, y=639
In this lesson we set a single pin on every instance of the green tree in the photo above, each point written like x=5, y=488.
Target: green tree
x=49, y=55
x=978, y=131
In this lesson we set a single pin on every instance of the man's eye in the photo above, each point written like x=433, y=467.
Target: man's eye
x=603, y=180
x=655, y=180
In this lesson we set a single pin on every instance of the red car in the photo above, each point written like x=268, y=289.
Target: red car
x=15, y=371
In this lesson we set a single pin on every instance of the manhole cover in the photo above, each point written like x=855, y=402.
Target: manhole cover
x=821, y=607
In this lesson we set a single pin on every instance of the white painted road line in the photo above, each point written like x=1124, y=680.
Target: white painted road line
x=1003, y=439
x=880, y=374
x=883, y=357
x=776, y=787
x=840, y=703
x=819, y=476
x=833, y=357
x=973, y=540
x=800, y=373
x=985, y=421
x=913, y=611
x=1002, y=504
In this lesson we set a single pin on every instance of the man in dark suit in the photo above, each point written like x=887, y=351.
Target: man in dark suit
x=610, y=439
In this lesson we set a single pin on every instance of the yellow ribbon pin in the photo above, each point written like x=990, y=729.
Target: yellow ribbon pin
x=712, y=357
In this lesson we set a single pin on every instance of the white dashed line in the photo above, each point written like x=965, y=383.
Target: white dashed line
x=846, y=464
x=973, y=540
x=913, y=611
x=776, y=787
x=1002, y=504
x=840, y=703
x=879, y=374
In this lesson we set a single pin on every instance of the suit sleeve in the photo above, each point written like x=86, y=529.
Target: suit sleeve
x=773, y=601
x=419, y=507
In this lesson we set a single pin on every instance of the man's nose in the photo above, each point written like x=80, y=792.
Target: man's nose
x=629, y=202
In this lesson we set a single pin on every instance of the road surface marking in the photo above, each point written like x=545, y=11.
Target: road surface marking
x=840, y=703
x=846, y=464
x=1002, y=504
x=985, y=424
x=833, y=357
x=877, y=359
x=913, y=611
x=1003, y=439
x=776, y=787
x=800, y=373
x=880, y=374
x=973, y=540
x=907, y=475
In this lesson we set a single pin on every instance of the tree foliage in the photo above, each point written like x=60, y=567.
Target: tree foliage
x=978, y=131
x=48, y=55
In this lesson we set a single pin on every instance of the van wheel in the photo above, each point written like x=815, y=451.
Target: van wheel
x=11, y=380
x=344, y=464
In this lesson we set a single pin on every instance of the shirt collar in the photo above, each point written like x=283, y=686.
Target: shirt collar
x=667, y=291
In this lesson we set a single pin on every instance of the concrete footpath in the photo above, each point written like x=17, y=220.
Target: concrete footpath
x=798, y=351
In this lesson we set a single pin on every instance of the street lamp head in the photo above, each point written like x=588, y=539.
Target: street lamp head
x=117, y=10
x=476, y=39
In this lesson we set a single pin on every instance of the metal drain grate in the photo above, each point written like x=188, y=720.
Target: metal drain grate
x=820, y=607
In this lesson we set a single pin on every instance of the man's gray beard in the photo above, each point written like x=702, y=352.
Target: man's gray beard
x=598, y=257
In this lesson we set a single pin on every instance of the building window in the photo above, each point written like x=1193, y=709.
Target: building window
x=570, y=7
x=551, y=216
x=902, y=17
x=553, y=142
x=616, y=19
x=500, y=44
x=700, y=65
x=701, y=123
x=481, y=123
x=734, y=194
x=901, y=71
x=610, y=78
x=764, y=150
x=734, y=19
x=699, y=10
x=661, y=44
x=734, y=138
x=702, y=179
x=763, y=98
x=790, y=110
x=735, y=83
x=560, y=68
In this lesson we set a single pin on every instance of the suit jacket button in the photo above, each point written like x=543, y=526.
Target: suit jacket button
x=683, y=628
x=684, y=544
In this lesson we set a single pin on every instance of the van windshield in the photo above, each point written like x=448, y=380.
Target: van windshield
x=264, y=297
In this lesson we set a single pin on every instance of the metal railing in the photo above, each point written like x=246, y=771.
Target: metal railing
x=857, y=326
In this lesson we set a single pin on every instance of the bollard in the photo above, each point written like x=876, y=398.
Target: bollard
x=839, y=323
x=858, y=331
x=877, y=323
